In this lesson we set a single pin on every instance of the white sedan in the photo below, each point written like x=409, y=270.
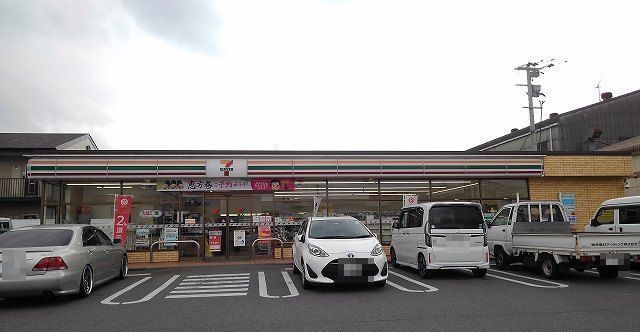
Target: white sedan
x=338, y=250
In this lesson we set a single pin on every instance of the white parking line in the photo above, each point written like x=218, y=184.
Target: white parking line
x=555, y=284
x=292, y=287
x=182, y=296
x=393, y=284
x=262, y=286
x=214, y=282
x=428, y=287
x=120, y=292
x=155, y=291
x=190, y=291
x=218, y=278
x=212, y=287
x=219, y=275
x=138, y=274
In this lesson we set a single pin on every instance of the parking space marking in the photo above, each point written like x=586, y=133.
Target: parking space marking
x=155, y=291
x=211, y=285
x=217, y=278
x=555, y=284
x=393, y=284
x=138, y=274
x=262, y=286
x=428, y=287
x=109, y=299
x=183, y=296
x=220, y=275
x=292, y=287
x=193, y=291
x=223, y=282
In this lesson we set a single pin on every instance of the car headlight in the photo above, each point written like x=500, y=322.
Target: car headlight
x=377, y=250
x=317, y=251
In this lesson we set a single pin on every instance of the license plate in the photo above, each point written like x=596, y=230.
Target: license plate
x=352, y=267
x=615, y=259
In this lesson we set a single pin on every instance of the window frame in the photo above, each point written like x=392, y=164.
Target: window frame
x=100, y=234
x=93, y=231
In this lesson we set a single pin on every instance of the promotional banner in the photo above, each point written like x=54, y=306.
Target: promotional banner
x=170, y=234
x=121, y=217
x=142, y=237
x=238, y=238
x=568, y=201
x=226, y=184
x=264, y=232
x=215, y=241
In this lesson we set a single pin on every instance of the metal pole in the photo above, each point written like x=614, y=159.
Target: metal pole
x=379, y=211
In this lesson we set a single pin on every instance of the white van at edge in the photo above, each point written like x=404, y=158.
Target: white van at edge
x=618, y=215
x=442, y=235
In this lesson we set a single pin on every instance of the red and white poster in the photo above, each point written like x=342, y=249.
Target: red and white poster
x=121, y=217
x=215, y=241
x=264, y=232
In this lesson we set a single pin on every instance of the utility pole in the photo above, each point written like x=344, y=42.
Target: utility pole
x=533, y=91
x=533, y=70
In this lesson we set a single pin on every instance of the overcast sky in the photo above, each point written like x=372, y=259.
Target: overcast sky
x=361, y=75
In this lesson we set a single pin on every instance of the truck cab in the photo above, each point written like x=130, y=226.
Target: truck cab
x=499, y=231
x=618, y=215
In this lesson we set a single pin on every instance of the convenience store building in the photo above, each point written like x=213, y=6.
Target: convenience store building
x=226, y=200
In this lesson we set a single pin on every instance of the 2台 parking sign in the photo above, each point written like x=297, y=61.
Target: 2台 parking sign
x=121, y=217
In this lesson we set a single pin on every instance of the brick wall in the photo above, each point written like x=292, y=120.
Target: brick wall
x=158, y=256
x=589, y=192
x=588, y=166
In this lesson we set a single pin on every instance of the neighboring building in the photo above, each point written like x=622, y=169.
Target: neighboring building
x=585, y=129
x=226, y=200
x=20, y=196
x=632, y=145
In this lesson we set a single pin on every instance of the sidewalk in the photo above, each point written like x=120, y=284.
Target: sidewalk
x=165, y=265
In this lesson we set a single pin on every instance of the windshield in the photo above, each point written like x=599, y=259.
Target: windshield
x=455, y=217
x=36, y=238
x=338, y=229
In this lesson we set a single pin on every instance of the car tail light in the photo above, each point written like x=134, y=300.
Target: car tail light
x=50, y=264
x=427, y=239
x=587, y=259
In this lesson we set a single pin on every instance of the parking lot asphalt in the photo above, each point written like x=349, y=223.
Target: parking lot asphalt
x=270, y=297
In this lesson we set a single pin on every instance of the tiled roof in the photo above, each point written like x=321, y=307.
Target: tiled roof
x=25, y=141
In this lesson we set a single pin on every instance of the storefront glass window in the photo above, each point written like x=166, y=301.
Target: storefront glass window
x=455, y=190
x=358, y=199
x=391, y=193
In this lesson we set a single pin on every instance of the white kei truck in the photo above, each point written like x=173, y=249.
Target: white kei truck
x=537, y=234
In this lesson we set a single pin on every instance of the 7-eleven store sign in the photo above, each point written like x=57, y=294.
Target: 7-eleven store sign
x=221, y=168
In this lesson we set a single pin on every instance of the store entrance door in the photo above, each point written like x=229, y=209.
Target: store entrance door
x=240, y=230
x=215, y=227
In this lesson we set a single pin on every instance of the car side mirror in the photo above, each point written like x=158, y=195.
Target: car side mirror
x=302, y=238
x=395, y=225
x=117, y=241
x=594, y=223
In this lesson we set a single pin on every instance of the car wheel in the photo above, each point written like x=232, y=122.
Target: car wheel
x=422, y=268
x=306, y=284
x=479, y=273
x=608, y=272
x=502, y=262
x=549, y=267
x=124, y=267
x=394, y=259
x=295, y=269
x=86, y=282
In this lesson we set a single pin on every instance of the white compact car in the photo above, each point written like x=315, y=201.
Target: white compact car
x=442, y=235
x=338, y=250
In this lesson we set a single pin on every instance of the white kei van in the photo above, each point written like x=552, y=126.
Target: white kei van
x=441, y=235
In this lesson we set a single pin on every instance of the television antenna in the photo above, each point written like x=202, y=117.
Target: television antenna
x=598, y=87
